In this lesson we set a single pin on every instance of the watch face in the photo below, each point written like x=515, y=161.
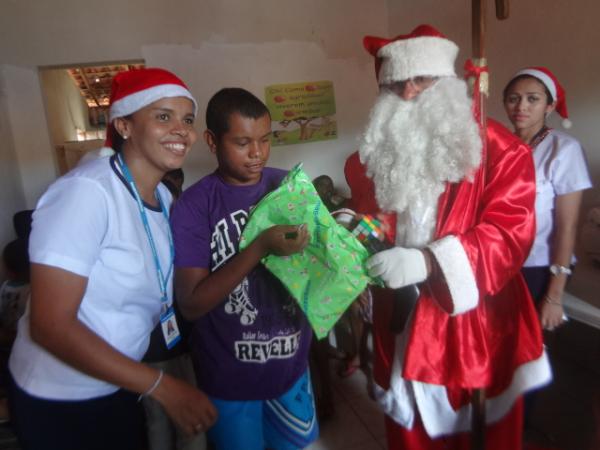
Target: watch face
x=555, y=269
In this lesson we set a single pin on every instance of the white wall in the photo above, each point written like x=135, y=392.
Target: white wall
x=209, y=43
x=562, y=36
x=273, y=63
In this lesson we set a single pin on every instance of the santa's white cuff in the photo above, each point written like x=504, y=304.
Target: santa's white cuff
x=456, y=267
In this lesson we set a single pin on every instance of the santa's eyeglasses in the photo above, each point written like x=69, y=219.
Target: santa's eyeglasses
x=419, y=84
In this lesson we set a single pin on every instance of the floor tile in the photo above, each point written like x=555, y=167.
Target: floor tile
x=343, y=431
x=370, y=415
x=352, y=387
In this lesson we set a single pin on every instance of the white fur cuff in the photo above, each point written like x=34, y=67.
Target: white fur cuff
x=404, y=398
x=455, y=264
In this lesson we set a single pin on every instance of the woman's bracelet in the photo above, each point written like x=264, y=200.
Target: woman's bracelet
x=153, y=387
x=550, y=301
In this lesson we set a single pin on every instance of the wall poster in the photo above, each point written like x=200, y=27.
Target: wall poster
x=301, y=112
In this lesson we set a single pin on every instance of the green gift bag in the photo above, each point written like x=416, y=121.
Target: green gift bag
x=329, y=273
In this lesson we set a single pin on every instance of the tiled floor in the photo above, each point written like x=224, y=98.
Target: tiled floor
x=566, y=415
x=357, y=423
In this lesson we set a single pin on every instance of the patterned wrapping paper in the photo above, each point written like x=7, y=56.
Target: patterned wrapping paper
x=328, y=275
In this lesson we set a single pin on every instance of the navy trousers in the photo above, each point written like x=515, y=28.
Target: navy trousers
x=110, y=422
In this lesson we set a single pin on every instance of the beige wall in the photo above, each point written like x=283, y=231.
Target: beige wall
x=561, y=35
x=66, y=110
x=71, y=31
x=11, y=191
x=27, y=121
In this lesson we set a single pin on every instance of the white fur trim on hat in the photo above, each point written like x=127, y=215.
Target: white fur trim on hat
x=134, y=102
x=420, y=56
x=454, y=262
x=548, y=82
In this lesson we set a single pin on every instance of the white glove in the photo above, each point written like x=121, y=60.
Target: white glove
x=398, y=266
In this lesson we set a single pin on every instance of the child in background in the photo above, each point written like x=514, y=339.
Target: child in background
x=22, y=223
x=324, y=187
x=14, y=292
x=14, y=295
x=173, y=180
x=250, y=341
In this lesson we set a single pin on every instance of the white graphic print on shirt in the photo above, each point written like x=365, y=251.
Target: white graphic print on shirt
x=221, y=246
x=239, y=303
x=280, y=347
x=222, y=249
x=255, y=347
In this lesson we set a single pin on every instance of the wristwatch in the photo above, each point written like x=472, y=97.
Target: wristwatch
x=557, y=269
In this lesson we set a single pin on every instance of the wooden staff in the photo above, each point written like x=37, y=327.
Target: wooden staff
x=480, y=82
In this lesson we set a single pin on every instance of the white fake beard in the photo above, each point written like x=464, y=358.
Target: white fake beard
x=412, y=148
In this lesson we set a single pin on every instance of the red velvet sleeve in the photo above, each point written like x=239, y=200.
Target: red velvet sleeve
x=499, y=243
x=485, y=228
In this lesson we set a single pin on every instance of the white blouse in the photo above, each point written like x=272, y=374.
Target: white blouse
x=560, y=168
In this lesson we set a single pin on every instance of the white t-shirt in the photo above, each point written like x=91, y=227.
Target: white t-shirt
x=88, y=223
x=560, y=168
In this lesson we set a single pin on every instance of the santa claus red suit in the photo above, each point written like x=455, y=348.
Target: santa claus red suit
x=461, y=213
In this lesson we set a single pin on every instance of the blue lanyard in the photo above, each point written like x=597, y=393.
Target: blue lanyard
x=162, y=279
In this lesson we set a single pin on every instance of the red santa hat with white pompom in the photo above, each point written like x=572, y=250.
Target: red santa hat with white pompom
x=556, y=90
x=423, y=52
x=135, y=89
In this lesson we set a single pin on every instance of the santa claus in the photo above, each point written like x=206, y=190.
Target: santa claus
x=460, y=210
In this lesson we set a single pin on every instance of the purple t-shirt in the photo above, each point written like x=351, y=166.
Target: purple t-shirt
x=254, y=345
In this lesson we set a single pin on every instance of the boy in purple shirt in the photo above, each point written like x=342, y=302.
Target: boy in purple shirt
x=250, y=341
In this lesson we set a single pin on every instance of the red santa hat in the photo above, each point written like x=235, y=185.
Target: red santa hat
x=135, y=89
x=423, y=52
x=557, y=92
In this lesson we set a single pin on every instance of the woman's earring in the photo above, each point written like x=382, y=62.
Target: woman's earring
x=125, y=137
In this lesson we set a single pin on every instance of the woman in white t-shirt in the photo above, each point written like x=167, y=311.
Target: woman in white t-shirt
x=101, y=278
x=561, y=176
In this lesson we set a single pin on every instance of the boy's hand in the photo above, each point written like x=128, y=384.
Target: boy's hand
x=283, y=240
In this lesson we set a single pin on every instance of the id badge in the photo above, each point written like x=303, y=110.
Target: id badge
x=170, y=330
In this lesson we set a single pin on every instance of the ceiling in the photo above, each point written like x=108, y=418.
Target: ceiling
x=94, y=82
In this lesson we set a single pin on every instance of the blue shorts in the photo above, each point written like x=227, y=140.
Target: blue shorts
x=285, y=423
